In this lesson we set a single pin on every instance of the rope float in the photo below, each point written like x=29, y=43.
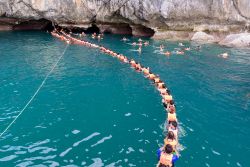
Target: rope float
x=168, y=154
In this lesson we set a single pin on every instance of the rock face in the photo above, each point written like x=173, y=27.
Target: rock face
x=202, y=37
x=237, y=40
x=164, y=17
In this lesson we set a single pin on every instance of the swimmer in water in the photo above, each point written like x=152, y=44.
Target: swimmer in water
x=180, y=52
x=140, y=40
x=145, y=70
x=187, y=49
x=157, y=79
x=146, y=43
x=161, y=48
x=82, y=34
x=134, y=43
x=173, y=128
x=224, y=55
x=171, y=106
x=132, y=63
x=171, y=117
x=140, y=44
x=198, y=48
x=124, y=39
x=167, y=53
x=151, y=76
x=99, y=36
x=167, y=97
x=139, y=50
x=171, y=140
x=94, y=35
x=166, y=157
x=181, y=44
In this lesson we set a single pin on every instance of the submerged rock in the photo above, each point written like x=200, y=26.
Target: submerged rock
x=203, y=37
x=236, y=40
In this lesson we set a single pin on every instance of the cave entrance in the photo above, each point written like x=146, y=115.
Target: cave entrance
x=92, y=29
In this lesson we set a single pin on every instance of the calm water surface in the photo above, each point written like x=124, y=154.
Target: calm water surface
x=96, y=111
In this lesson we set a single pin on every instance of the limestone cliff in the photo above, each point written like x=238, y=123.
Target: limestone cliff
x=168, y=18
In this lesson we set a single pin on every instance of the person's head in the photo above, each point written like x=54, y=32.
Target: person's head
x=168, y=91
x=168, y=149
x=171, y=111
x=170, y=135
x=174, y=124
x=171, y=102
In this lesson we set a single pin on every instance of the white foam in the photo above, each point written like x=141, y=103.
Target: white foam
x=102, y=140
x=128, y=114
x=75, y=132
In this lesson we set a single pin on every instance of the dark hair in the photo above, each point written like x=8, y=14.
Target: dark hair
x=165, y=105
x=170, y=135
x=174, y=123
x=172, y=111
x=168, y=91
x=171, y=102
x=168, y=149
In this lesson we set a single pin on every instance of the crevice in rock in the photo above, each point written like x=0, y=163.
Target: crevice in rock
x=236, y=6
x=41, y=24
x=115, y=28
x=92, y=29
x=142, y=31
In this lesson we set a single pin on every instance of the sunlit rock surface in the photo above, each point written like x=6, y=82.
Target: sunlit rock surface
x=176, y=18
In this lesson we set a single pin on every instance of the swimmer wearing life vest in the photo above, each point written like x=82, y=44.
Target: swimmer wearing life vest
x=145, y=71
x=132, y=63
x=171, y=117
x=171, y=106
x=187, y=49
x=151, y=76
x=138, y=67
x=166, y=157
x=167, y=97
x=161, y=85
x=171, y=140
x=157, y=80
x=140, y=40
x=172, y=127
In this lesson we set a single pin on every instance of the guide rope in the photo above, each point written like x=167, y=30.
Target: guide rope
x=34, y=95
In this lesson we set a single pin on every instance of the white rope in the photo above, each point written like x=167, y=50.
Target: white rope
x=52, y=69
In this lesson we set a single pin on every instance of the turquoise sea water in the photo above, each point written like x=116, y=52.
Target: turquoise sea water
x=96, y=111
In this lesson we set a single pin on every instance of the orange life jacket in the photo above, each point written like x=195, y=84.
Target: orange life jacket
x=166, y=159
x=168, y=98
x=172, y=117
x=173, y=143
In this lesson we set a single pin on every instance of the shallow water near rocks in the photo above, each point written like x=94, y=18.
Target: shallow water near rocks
x=96, y=111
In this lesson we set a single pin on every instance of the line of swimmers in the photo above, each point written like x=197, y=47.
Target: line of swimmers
x=68, y=39
x=168, y=154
